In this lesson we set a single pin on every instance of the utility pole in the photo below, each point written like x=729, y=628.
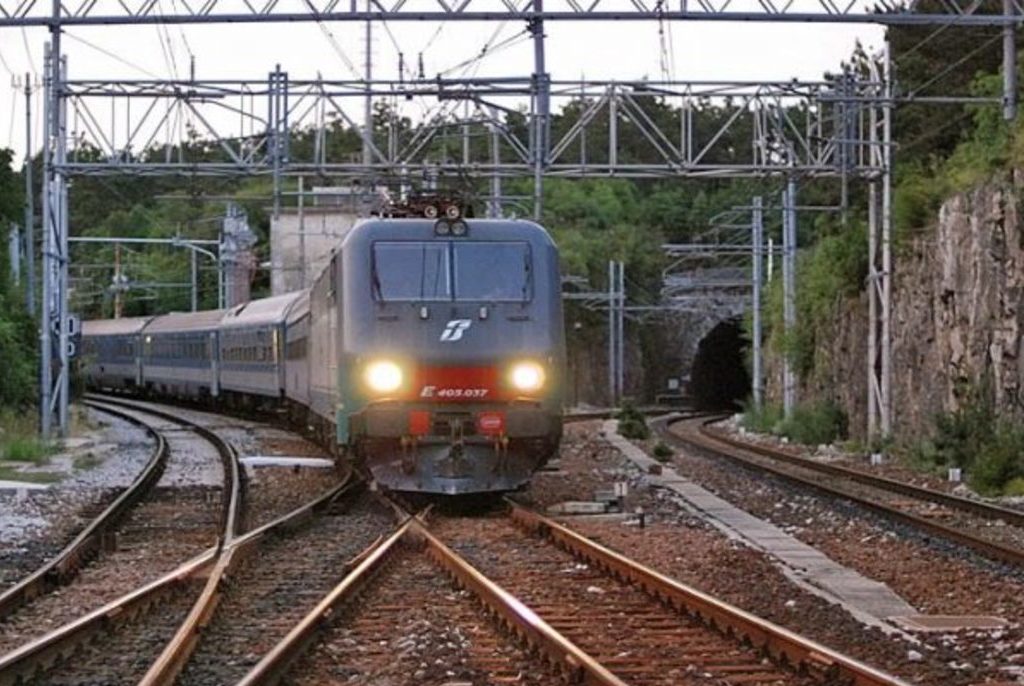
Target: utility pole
x=540, y=110
x=30, y=220
x=118, y=283
x=194, y=271
x=757, y=247
x=620, y=337
x=14, y=253
x=53, y=392
x=789, y=290
x=612, y=329
x=302, y=235
x=1009, y=64
x=495, y=204
x=368, y=115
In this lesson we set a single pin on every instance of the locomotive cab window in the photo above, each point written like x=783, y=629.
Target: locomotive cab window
x=411, y=270
x=489, y=271
x=492, y=271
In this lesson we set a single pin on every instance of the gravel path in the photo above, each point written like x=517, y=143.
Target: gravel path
x=36, y=524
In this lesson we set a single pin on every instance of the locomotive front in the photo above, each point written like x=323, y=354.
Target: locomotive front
x=451, y=352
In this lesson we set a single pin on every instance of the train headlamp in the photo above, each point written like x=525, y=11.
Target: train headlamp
x=459, y=228
x=383, y=376
x=527, y=376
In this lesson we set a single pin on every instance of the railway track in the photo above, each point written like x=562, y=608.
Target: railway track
x=549, y=603
x=992, y=531
x=144, y=548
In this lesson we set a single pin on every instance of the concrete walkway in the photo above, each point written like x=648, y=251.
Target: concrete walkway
x=869, y=601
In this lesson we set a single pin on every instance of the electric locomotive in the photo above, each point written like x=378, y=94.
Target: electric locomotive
x=450, y=345
x=429, y=352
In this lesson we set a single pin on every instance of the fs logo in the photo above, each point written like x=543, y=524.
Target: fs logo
x=453, y=330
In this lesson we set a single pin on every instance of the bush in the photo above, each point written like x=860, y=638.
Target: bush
x=815, y=424
x=766, y=420
x=632, y=423
x=663, y=453
x=999, y=461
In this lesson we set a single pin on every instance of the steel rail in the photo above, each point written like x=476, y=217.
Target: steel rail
x=990, y=549
x=274, y=665
x=577, y=665
x=33, y=657
x=233, y=487
x=29, y=660
x=987, y=510
x=64, y=566
x=781, y=644
x=177, y=652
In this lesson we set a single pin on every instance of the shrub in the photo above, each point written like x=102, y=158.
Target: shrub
x=767, y=419
x=1014, y=487
x=1000, y=459
x=632, y=423
x=662, y=453
x=816, y=423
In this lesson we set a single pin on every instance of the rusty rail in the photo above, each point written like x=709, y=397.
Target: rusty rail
x=178, y=651
x=33, y=657
x=576, y=665
x=21, y=664
x=780, y=643
x=273, y=666
x=990, y=549
x=63, y=567
x=983, y=509
x=233, y=485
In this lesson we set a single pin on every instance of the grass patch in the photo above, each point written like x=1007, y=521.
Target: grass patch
x=19, y=441
x=12, y=474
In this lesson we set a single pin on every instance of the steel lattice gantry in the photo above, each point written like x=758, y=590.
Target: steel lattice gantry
x=107, y=12
x=796, y=130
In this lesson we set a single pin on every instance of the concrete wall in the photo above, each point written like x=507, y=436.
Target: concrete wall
x=324, y=229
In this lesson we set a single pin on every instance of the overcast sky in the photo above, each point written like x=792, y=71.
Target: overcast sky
x=608, y=50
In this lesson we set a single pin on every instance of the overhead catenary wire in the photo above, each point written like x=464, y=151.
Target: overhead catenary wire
x=112, y=55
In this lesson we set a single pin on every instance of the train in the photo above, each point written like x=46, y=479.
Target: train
x=429, y=353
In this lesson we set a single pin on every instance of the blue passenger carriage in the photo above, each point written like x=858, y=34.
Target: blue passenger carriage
x=180, y=354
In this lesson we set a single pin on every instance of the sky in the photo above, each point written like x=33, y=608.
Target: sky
x=595, y=50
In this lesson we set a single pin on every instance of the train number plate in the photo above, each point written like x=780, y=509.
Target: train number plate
x=448, y=393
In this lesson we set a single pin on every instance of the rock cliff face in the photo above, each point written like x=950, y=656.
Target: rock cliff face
x=958, y=305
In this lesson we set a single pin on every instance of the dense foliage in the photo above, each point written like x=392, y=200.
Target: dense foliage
x=17, y=330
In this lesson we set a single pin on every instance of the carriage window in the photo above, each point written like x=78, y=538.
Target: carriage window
x=411, y=270
x=492, y=271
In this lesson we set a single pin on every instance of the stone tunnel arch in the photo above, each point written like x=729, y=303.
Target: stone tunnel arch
x=719, y=378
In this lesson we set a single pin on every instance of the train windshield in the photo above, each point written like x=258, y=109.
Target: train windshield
x=411, y=270
x=492, y=271
x=489, y=271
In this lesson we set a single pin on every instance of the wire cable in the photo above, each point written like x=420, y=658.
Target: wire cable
x=111, y=55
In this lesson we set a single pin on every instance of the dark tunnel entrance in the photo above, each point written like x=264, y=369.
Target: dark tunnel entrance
x=719, y=379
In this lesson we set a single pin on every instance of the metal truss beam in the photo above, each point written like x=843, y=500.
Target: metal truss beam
x=16, y=13
x=811, y=128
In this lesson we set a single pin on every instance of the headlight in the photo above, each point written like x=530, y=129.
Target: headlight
x=527, y=376
x=383, y=376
